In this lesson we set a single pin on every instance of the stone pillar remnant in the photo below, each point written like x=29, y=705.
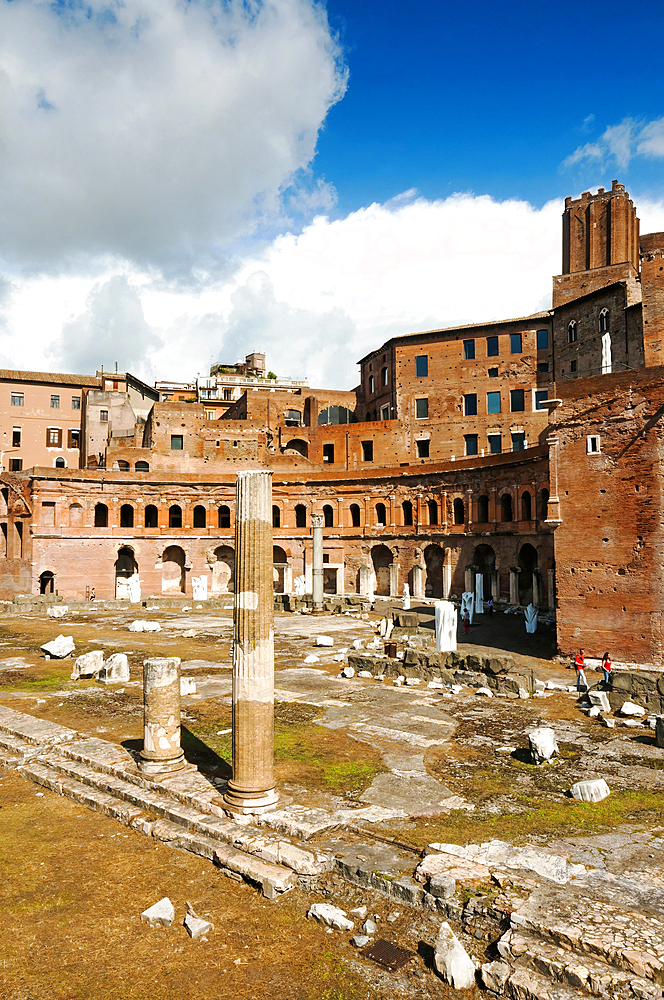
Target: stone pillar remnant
x=317, y=521
x=252, y=787
x=394, y=579
x=161, y=751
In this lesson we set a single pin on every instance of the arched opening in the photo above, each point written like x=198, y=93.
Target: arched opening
x=125, y=568
x=604, y=321
x=75, y=515
x=526, y=506
x=328, y=514
x=355, y=515
x=484, y=559
x=483, y=509
x=142, y=467
x=101, y=515
x=407, y=509
x=433, y=511
x=126, y=516
x=47, y=582
x=175, y=516
x=336, y=415
x=506, y=513
x=433, y=558
x=279, y=566
x=381, y=558
x=276, y=516
x=223, y=570
x=527, y=565
x=301, y=447
x=544, y=504
x=172, y=570
x=381, y=514
x=121, y=466
x=459, y=511
x=224, y=517
x=151, y=516
x=300, y=516
x=200, y=516
x=60, y=463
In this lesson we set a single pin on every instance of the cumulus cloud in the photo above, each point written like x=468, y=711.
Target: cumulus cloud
x=618, y=144
x=156, y=130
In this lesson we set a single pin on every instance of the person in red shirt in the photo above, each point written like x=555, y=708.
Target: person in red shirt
x=580, y=665
x=606, y=667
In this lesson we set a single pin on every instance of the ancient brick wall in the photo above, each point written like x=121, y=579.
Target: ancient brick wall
x=583, y=355
x=652, y=284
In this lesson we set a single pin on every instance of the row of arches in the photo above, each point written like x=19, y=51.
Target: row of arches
x=151, y=516
x=122, y=466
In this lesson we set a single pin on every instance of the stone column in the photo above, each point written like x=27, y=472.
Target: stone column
x=161, y=751
x=551, y=587
x=469, y=583
x=365, y=579
x=447, y=573
x=394, y=579
x=537, y=594
x=317, y=521
x=252, y=788
x=495, y=585
x=418, y=581
x=514, y=585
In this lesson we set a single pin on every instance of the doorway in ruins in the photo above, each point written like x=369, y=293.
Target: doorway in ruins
x=47, y=582
x=172, y=570
x=381, y=558
x=484, y=560
x=279, y=567
x=434, y=557
x=527, y=565
x=223, y=570
x=125, y=568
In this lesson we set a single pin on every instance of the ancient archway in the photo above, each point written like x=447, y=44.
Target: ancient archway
x=381, y=558
x=172, y=570
x=126, y=567
x=223, y=570
x=46, y=582
x=434, y=557
x=484, y=560
x=527, y=565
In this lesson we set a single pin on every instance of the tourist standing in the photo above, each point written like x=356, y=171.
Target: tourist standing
x=606, y=667
x=466, y=622
x=580, y=665
x=489, y=605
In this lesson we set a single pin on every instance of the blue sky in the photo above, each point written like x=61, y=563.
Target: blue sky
x=182, y=183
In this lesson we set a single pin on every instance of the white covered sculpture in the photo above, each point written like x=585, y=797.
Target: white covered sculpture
x=446, y=626
x=468, y=604
x=134, y=589
x=531, y=618
x=479, y=594
x=199, y=586
x=406, y=597
x=299, y=586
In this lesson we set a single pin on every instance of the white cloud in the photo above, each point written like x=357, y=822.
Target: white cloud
x=620, y=143
x=155, y=130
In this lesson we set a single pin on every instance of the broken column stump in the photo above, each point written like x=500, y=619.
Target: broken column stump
x=161, y=751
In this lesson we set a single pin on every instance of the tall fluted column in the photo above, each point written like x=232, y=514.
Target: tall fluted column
x=317, y=522
x=252, y=787
x=161, y=751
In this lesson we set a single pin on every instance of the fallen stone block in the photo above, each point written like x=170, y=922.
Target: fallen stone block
x=347, y=672
x=629, y=708
x=88, y=664
x=324, y=640
x=360, y=940
x=59, y=647
x=141, y=626
x=187, y=686
x=58, y=612
x=161, y=914
x=196, y=927
x=600, y=699
x=442, y=886
x=311, y=659
x=452, y=961
x=115, y=670
x=543, y=744
x=659, y=733
x=593, y=790
x=487, y=692
x=331, y=916
x=369, y=926
x=494, y=976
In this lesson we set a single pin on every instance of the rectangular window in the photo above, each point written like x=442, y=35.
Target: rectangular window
x=422, y=449
x=542, y=340
x=228, y=394
x=74, y=438
x=16, y=437
x=542, y=366
x=593, y=446
x=421, y=408
x=103, y=416
x=422, y=366
x=573, y=366
x=328, y=453
x=471, y=444
x=367, y=451
x=469, y=349
x=15, y=464
x=383, y=376
x=385, y=412
x=17, y=399
x=53, y=437
x=75, y=402
x=518, y=441
x=516, y=346
x=55, y=402
x=470, y=404
x=209, y=414
x=495, y=444
x=517, y=400
x=493, y=373
x=541, y=397
x=493, y=402
x=177, y=442
x=492, y=347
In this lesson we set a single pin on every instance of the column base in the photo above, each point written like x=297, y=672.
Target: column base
x=149, y=766
x=248, y=803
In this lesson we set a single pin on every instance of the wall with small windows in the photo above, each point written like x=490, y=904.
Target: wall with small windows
x=581, y=327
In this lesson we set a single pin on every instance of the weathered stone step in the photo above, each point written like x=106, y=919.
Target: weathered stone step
x=16, y=746
x=32, y=730
x=526, y=984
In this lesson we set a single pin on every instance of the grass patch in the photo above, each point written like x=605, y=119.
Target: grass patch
x=47, y=682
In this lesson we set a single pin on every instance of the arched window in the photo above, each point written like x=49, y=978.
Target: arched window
x=101, y=515
x=433, y=511
x=483, y=509
x=544, y=503
x=407, y=509
x=328, y=514
x=355, y=515
x=126, y=516
x=459, y=512
x=175, y=516
x=142, y=467
x=506, y=507
x=383, y=376
x=381, y=516
x=292, y=418
x=301, y=447
x=224, y=517
x=572, y=332
x=200, y=516
x=60, y=463
x=276, y=516
x=300, y=516
x=336, y=415
x=371, y=383
x=151, y=516
x=526, y=506
x=122, y=465
x=604, y=321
